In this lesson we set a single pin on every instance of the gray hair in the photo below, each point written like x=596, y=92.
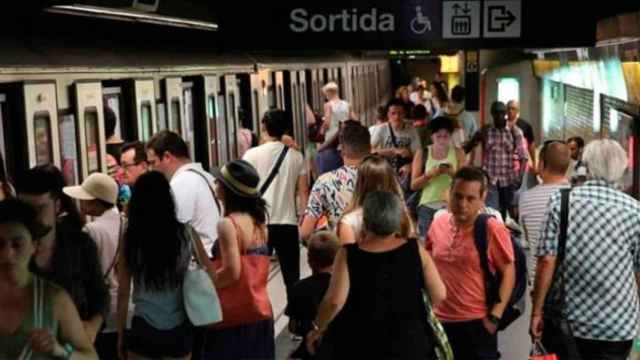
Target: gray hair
x=382, y=213
x=605, y=159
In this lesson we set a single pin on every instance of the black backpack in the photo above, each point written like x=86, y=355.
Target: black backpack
x=516, y=304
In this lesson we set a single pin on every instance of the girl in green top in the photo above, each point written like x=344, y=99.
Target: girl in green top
x=39, y=320
x=433, y=169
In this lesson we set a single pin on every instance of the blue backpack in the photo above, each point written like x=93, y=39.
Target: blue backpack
x=516, y=304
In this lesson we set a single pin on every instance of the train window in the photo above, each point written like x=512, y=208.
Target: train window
x=162, y=116
x=91, y=139
x=68, y=148
x=233, y=131
x=176, y=117
x=145, y=111
x=187, y=95
x=256, y=107
x=222, y=121
x=111, y=97
x=280, y=97
x=213, y=131
x=508, y=89
x=271, y=97
x=42, y=134
x=2, y=122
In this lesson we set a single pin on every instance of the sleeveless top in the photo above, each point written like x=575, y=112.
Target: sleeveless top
x=162, y=309
x=385, y=307
x=12, y=346
x=339, y=113
x=434, y=191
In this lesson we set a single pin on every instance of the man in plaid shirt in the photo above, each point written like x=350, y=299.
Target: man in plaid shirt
x=504, y=158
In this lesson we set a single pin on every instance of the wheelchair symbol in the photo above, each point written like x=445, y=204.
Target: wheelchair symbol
x=420, y=23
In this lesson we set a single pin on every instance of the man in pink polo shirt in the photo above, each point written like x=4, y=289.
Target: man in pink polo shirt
x=470, y=324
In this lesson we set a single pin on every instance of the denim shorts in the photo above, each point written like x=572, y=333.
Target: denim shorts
x=147, y=341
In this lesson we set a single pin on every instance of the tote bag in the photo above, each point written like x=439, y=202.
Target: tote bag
x=246, y=301
x=201, y=301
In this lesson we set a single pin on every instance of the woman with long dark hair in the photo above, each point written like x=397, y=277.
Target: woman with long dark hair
x=241, y=257
x=156, y=252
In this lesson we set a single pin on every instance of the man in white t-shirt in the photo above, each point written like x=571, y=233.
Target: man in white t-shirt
x=192, y=187
x=280, y=195
x=397, y=140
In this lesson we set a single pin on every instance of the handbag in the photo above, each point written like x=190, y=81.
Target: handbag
x=246, y=301
x=38, y=314
x=201, y=300
x=442, y=347
x=539, y=353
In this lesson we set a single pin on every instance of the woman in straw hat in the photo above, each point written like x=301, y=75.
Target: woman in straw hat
x=241, y=258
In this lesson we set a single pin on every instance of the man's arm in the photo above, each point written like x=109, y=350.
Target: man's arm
x=308, y=225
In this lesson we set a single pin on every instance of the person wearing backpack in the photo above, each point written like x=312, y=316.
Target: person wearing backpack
x=470, y=323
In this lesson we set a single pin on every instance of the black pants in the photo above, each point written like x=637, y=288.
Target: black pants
x=603, y=350
x=285, y=239
x=471, y=341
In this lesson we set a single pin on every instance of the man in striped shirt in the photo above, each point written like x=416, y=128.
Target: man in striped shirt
x=552, y=167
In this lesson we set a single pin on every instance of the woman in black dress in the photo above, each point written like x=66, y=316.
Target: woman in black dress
x=374, y=308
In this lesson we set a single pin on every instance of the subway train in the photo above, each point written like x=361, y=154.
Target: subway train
x=55, y=114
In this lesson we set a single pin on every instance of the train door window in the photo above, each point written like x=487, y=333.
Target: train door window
x=233, y=129
x=508, y=89
x=222, y=130
x=145, y=111
x=256, y=107
x=176, y=116
x=162, y=116
x=280, y=97
x=42, y=132
x=68, y=148
x=187, y=94
x=271, y=97
x=213, y=130
x=112, y=100
x=91, y=139
x=3, y=147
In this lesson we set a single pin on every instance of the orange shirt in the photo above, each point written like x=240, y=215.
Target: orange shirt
x=458, y=263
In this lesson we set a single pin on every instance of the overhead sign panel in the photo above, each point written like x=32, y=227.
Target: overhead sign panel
x=461, y=19
x=502, y=19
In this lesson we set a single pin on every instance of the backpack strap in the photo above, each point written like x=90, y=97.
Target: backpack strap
x=275, y=170
x=562, y=240
x=482, y=245
x=213, y=193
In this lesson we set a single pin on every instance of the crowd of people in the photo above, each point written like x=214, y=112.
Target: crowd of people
x=413, y=227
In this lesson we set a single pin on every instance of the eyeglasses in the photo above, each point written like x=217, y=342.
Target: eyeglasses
x=127, y=166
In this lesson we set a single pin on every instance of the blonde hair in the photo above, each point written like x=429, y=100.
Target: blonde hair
x=400, y=90
x=330, y=86
x=376, y=174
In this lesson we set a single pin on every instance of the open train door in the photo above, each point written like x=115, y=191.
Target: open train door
x=90, y=127
x=208, y=140
x=231, y=98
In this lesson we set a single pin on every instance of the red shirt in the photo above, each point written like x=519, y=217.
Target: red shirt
x=458, y=263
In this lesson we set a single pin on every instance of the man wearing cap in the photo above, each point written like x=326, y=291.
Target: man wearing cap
x=98, y=195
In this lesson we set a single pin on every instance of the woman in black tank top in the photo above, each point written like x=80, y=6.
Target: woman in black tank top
x=376, y=292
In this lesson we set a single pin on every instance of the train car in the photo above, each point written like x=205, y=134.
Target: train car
x=53, y=114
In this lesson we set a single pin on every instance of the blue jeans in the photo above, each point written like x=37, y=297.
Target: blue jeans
x=425, y=218
x=501, y=198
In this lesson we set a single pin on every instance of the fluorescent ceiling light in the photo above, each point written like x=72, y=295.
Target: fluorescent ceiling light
x=131, y=15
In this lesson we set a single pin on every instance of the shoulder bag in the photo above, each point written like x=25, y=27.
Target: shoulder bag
x=201, y=301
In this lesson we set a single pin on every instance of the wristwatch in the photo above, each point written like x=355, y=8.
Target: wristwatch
x=493, y=319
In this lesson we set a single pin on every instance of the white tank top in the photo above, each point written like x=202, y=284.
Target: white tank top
x=339, y=113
